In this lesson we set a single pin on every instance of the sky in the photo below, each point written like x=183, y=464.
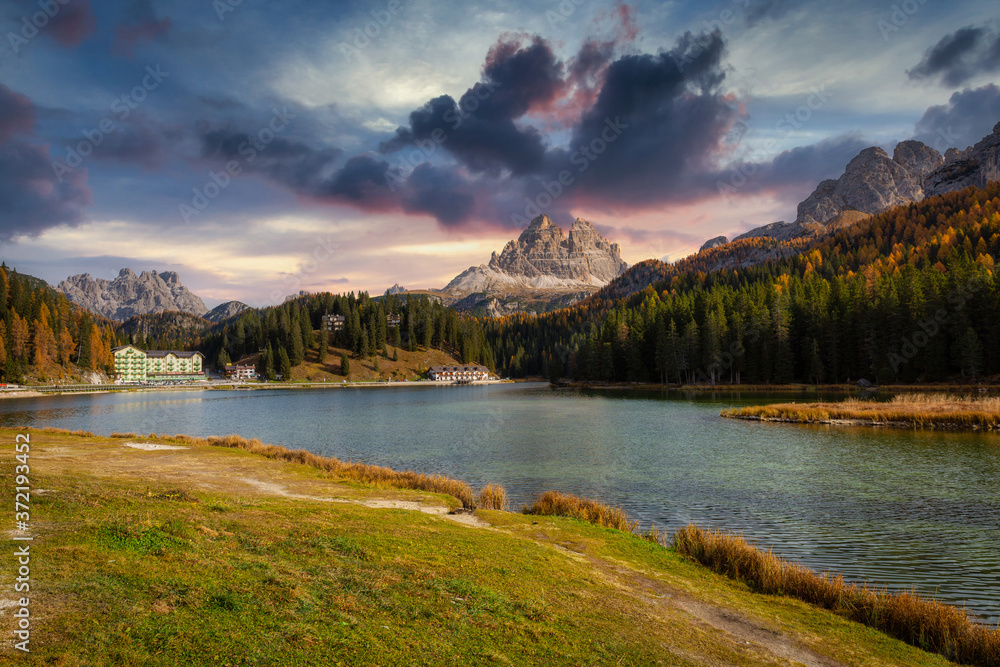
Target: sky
x=260, y=148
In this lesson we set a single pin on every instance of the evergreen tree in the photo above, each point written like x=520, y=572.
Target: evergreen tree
x=345, y=365
x=284, y=365
x=815, y=364
x=971, y=353
x=324, y=344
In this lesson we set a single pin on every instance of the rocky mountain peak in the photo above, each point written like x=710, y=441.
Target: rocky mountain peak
x=873, y=182
x=544, y=257
x=129, y=295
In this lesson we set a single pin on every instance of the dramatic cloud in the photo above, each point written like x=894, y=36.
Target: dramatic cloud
x=968, y=117
x=960, y=56
x=805, y=166
x=32, y=198
x=480, y=128
x=142, y=25
x=657, y=126
x=73, y=23
x=17, y=113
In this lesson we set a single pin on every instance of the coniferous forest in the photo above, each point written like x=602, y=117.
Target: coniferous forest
x=909, y=295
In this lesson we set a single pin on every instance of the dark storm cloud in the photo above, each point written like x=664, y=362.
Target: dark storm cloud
x=440, y=192
x=968, y=116
x=17, y=113
x=290, y=162
x=32, y=199
x=808, y=165
x=657, y=125
x=479, y=129
x=960, y=56
x=142, y=24
x=73, y=23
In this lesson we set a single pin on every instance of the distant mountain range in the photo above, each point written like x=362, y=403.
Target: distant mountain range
x=873, y=182
x=543, y=268
x=130, y=295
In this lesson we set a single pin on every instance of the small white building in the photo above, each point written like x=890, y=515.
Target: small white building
x=458, y=373
x=333, y=322
x=241, y=372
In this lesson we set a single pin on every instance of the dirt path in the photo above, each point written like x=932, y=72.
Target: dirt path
x=459, y=516
x=213, y=470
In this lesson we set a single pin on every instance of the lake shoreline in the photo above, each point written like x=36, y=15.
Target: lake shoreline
x=246, y=530
x=911, y=411
x=237, y=386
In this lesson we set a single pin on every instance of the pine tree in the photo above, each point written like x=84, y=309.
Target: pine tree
x=815, y=364
x=284, y=365
x=971, y=353
x=324, y=344
x=395, y=354
x=345, y=365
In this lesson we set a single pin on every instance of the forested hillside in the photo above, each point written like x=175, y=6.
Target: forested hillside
x=907, y=295
x=43, y=336
x=282, y=335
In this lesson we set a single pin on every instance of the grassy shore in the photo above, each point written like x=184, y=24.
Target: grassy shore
x=905, y=410
x=173, y=550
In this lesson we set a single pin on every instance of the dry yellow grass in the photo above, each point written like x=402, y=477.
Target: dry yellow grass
x=923, y=410
x=553, y=503
x=921, y=622
x=493, y=497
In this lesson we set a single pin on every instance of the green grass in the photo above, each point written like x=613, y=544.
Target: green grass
x=171, y=558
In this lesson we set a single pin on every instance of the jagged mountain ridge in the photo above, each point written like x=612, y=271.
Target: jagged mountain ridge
x=226, y=310
x=545, y=258
x=873, y=182
x=130, y=294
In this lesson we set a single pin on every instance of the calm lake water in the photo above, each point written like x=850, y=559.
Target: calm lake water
x=903, y=508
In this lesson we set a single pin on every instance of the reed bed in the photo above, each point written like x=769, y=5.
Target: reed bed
x=919, y=621
x=553, y=503
x=493, y=497
x=920, y=410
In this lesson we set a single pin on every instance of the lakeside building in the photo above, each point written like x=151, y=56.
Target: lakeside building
x=458, y=373
x=240, y=372
x=393, y=320
x=333, y=322
x=135, y=365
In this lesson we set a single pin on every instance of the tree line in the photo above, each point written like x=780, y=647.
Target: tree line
x=44, y=336
x=909, y=295
x=280, y=336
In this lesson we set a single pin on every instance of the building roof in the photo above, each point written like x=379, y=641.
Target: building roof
x=459, y=369
x=160, y=353
x=155, y=354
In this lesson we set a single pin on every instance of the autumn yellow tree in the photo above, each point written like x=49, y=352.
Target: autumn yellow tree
x=19, y=334
x=43, y=342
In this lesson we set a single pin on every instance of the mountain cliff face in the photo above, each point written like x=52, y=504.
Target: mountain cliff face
x=224, y=311
x=545, y=258
x=130, y=294
x=873, y=182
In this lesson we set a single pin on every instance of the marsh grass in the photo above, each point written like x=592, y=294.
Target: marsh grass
x=493, y=497
x=920, y=410
x=553, y=503
x=919, y=621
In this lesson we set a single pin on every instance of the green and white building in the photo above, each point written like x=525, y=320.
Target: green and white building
x=135, y=365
